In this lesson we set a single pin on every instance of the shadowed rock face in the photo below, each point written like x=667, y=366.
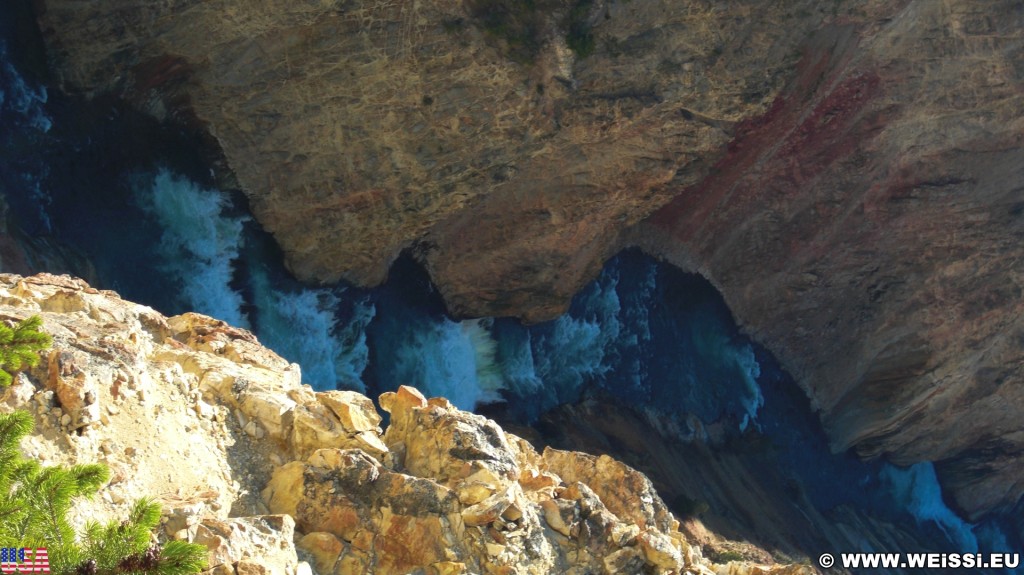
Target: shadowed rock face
x=867, y=229
x=848, y=175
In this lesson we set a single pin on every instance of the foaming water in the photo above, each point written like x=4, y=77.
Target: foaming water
x=302, y=326
x=198, y=246
x=20, y=102
x=917, y=489
x=413, y=342
x=643, y=332
x=201, y=247
x=23, y=119
x=443, y=358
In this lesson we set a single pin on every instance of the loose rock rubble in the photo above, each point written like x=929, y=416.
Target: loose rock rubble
x=274, y=477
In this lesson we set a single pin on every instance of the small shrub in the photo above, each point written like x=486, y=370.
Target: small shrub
x=35, y=500
x=20, y=346
x=34, y=506
x=578, y=36
x=727, y=556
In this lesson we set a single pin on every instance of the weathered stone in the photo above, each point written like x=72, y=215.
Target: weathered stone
x=448, y=568
x=626, y=492
x=370, y=442
x=623, y=534
x=324, y=547
x=471, y=493
x=628, y=560
x=459, y=438
x=20, y=393
x=315, y=427
x=534, y=480
x=443, y=105
x=259, y=541
x=271, y=411
x=844, y=208
x=398, y=402
x=247, y=567
x=488, y=510
x=559, y=515
x=355, y=411
x=284, y=491
x=660, y=551
x=184, y=516
x=76, y=393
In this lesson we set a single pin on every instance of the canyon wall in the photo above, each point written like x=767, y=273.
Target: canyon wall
x=867, y=229
x=848, y=174
x=470, y=132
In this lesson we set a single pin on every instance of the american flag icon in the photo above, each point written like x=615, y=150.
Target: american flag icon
x=24, y=560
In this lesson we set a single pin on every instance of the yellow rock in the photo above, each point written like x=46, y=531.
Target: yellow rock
x=554, y=516
x=284, y=492
x=488, y=510
x=352, y=564
x=659, y=550
x=627, y=560
x=355, y=411
x=315, y=427
x=370, y=442
x=471, y=493
x=247, y=567
x=405, y=398
x=325, y=549
x=494, y=549
x=448, y=568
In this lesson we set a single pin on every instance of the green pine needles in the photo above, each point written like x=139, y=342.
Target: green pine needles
x=35, y=500
x=20, y=347
x=34, y=505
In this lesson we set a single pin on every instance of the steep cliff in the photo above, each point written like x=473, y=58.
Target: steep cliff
x=846, y=173
x=265, y=472
x=723, y=481
x=867, y=229
x=471, y=131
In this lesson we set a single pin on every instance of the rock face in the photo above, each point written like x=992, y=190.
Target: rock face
x=273, y=477
x=867, y=229
x=714, y=486
x=847, y=173
x=471, y=131
x=25, y=254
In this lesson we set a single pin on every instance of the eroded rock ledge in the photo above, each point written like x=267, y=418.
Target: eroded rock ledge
x=275, y=478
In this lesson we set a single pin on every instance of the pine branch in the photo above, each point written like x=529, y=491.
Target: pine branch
x=35, y=500
x=88, y=478
x=55, y=492
x=181, y=558
x=20, y=347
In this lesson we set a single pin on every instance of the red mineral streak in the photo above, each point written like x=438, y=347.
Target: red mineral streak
x=781, y=151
